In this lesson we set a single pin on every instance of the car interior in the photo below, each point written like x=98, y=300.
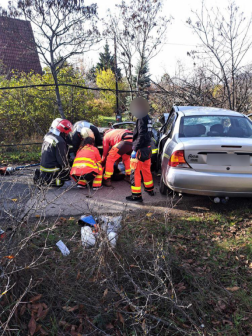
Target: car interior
x=227, y=127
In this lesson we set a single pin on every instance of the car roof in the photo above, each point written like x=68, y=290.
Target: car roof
x=201, y=110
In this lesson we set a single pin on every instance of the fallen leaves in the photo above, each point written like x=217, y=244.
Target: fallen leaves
x=120, y=318
x=9, y=257
x=32, y=326
x=233, y=289
x=35, y=298
x=105, y=293
x=71, y=309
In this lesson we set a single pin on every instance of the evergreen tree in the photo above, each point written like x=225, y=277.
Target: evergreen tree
x=106, y=61
x=142, y=75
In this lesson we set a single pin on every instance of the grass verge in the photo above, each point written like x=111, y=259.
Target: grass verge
x=167, y=276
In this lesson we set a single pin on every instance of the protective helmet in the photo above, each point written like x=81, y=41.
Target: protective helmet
x=64, y=126
x=86, y=132
x=56, y=122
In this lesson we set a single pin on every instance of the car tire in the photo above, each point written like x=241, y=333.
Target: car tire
x=163, y=187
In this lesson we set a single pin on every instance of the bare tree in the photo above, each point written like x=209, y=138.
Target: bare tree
x=62, y=30
x=139, y=29
x=225, y=39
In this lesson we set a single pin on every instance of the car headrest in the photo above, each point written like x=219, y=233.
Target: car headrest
x=192, y=131
x=218, y=128
x=201, y=128
x=235, y=132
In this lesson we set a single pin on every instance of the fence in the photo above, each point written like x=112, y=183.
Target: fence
x=20, y=153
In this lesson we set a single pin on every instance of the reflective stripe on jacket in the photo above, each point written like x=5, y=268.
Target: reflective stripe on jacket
x=113, y=137
x=87, y=160
x=53, y=153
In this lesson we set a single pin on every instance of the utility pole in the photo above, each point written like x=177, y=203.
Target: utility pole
x=118, y=114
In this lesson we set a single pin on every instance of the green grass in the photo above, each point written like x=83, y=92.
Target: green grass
x=209, y=254
x=106, y=120
x=215, y=249
x=20, y=155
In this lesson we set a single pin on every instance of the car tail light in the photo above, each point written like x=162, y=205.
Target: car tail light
x=177, y=159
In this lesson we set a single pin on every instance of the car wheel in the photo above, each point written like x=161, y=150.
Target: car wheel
x=163, y=188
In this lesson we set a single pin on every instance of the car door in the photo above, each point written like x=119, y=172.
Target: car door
x=166, y=132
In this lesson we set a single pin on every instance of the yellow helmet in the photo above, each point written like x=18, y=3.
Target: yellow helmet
x=86, y=132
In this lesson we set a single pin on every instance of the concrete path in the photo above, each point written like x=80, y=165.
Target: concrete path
x=74, y=201
x=17, y=194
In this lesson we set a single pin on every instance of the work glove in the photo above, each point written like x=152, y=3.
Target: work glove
x=133, y=155
x=72, y=156
x=133, y=163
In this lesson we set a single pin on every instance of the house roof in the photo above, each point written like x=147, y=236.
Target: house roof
x=17, y=46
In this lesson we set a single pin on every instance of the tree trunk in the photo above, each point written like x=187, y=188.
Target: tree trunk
x=59, y=103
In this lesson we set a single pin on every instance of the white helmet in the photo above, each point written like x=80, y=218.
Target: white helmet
x=86, y=132
x=80, y=124
x=56, y=122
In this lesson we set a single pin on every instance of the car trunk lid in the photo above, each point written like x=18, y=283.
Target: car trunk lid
x=229, y=155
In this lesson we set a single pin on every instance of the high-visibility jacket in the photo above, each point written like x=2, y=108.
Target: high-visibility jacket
x=86, y=161
x=113, y=137
x=53, y=153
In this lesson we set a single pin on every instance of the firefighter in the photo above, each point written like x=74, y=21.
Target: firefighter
x=54, y=167
x=76, y=135
x=117, y=144
x=141, y=154
x=87, y=166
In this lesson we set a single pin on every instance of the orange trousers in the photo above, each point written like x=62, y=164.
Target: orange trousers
x=97, y=181
x=112, y=157
x=143, y=170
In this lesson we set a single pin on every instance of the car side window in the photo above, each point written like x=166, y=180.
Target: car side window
x=170, y=123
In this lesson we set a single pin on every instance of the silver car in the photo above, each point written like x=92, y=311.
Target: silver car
x=206, y=151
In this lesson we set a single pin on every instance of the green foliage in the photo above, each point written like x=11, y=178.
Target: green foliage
x=106, y=79
x=29, y=111
x=143, y=75
x=107, y=61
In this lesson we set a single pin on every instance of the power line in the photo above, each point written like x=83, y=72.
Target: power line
x=77, y=86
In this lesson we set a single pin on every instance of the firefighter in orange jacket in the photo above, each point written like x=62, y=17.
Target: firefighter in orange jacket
x=87, y=166
x=117, y=143
x=141, y=154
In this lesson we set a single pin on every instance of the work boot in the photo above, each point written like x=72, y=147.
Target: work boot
x=81, y=186
x=107, y=183
x=96, y=188
x=151, y=193
x=127, y=178
x=134, y=199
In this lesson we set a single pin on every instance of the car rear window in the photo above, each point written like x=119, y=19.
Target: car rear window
x=215, y=126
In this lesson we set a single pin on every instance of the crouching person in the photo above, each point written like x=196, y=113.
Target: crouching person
x=87, y=168
x=54, y=167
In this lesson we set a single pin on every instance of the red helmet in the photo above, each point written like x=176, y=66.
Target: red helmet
x=64, y=126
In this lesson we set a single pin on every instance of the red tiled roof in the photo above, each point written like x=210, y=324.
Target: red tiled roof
x=17, y=46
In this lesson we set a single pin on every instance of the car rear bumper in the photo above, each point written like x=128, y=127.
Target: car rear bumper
x=209, y=184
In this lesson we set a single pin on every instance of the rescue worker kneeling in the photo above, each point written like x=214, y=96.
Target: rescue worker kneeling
x=117, y=144
x=54, y=167
x=87, y=166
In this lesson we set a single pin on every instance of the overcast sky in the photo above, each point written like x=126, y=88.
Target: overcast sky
x=180, y=38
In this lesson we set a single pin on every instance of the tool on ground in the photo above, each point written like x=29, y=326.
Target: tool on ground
x=11, y=170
